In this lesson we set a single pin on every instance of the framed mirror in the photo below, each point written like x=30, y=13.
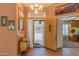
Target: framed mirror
x=21, y=20
x=21, y=24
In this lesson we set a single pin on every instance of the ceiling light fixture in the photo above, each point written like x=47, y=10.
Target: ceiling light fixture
x=36, y=11
x=40, y=7
x=36, y=8
x=32, y=7
x=36, y=5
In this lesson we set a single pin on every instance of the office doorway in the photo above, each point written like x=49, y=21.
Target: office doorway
x=38, y=26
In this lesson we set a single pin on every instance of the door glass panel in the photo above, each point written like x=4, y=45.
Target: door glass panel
x=38, y=33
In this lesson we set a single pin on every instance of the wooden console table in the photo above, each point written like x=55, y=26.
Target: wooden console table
x=23, y=47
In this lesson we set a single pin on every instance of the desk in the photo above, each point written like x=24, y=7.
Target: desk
x=74, y=38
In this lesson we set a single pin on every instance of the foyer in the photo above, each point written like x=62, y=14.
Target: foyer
x=39, y=29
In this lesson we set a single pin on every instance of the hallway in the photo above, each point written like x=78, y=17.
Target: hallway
x=59, y=52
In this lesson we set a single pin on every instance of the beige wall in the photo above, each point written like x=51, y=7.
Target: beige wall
x=8, y=40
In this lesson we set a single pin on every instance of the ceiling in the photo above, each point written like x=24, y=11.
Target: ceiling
x=45, y=4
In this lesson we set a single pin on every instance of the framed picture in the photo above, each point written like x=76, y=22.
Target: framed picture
x=11, y=25
x=3, y=20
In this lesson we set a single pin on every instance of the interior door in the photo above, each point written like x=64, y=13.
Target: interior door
x=50, y=34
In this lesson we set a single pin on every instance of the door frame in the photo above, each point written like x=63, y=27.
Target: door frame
x=69, y=14
x=43, y=33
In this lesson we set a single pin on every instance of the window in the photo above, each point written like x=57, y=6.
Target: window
x=39, y=14
x=65, y=29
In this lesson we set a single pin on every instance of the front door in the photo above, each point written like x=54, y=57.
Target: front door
x=38, y=33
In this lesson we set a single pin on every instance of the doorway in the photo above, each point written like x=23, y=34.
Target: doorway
x=67, y=32
x=70, y=36
x=38, y=29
